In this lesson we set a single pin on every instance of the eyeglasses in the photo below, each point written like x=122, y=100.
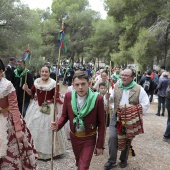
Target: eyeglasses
x=126, y=75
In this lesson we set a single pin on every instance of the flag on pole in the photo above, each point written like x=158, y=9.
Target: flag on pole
x=62, y=39
x=26, y=56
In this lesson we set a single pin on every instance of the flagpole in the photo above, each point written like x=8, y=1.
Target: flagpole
x=110, y=72
x=23, y=100
x=55, y=107
x=108, y=113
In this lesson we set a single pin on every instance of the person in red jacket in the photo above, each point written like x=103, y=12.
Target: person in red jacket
x=85, y=110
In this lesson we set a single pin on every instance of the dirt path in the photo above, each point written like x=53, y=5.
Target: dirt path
x=152, y=153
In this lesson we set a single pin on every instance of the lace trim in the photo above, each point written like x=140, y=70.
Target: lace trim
x=3, y=136
x=6, y=87
x=48, y=87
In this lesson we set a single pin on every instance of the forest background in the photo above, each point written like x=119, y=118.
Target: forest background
x=134, y=31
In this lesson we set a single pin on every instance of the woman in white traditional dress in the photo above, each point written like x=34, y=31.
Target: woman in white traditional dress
x=39, y=115
x=17, y=151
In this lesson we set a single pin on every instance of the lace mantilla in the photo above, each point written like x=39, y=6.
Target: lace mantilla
x=51, y=84
x=3, y=136
x=6, y=87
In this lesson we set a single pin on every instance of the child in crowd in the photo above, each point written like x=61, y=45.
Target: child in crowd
x=102, y=90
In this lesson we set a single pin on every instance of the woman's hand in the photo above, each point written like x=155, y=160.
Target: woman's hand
x=54, y=126
x=20, y=135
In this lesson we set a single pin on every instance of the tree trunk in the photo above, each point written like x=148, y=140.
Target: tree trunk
x=166, y=44
x=82, y=60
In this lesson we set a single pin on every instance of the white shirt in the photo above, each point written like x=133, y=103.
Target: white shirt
x=81, y=101
x=97, y=77
x=143, y=98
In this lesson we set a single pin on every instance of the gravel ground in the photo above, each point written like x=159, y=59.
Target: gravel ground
x=152, y=153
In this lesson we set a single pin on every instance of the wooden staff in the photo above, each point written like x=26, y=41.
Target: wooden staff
x=93, y=78
x=23, y=100
x=110, y=72
x=136, y=71
x=94, y=74
x=108, y=112
x=55, y=107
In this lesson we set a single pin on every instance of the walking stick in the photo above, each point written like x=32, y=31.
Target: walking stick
x=23, y=100
x=26, y=56
x=53, y=117
x=108, y=103
x=108, y=112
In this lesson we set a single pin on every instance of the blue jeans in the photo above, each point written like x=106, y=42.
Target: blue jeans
x=161, y=101
x=167, y=132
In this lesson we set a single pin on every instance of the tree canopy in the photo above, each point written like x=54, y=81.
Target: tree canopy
x=134, y=32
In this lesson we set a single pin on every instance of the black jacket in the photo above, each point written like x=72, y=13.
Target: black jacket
x=9, y=72
x=19, y=90
x=152, y=86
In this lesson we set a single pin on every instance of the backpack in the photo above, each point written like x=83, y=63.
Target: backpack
x=168, y=92
x=146, y=85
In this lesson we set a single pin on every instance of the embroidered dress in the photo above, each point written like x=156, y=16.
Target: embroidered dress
x=14, y=155
x=39, y=123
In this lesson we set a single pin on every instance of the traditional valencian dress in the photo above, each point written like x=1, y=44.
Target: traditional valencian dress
x=14, y=155
x=39, y=123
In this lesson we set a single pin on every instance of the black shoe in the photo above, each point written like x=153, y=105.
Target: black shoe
x=157, y=114
x=166, y=139
x=123, y=164
x=108, y=165
x=162, y=114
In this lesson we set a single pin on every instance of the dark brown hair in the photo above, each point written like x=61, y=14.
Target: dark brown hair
x=46, y=66
x=102, y=84
x=2, y=67
x=81, y=75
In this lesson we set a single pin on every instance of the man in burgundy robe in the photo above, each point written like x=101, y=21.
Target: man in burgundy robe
x=85, y=110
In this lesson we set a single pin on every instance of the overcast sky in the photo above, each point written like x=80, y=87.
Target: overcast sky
x=95, y=5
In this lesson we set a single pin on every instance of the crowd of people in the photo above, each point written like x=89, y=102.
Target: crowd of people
x=95, y=99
